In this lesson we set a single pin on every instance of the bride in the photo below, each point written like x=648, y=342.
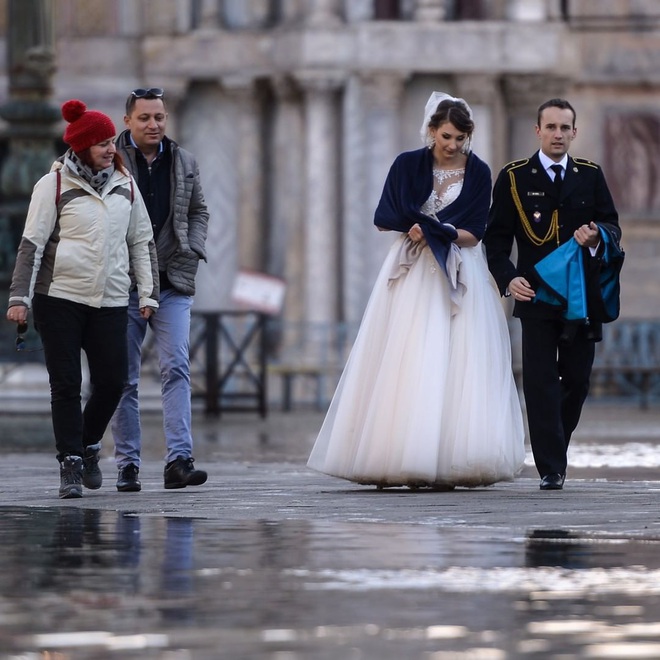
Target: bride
x=427, y=398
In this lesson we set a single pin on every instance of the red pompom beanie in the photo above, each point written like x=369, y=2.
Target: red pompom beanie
x=86, y=127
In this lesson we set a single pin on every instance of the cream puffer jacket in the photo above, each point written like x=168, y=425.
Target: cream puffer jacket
x=83, y=253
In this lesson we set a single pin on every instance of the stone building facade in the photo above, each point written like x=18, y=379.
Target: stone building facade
x=296, y=108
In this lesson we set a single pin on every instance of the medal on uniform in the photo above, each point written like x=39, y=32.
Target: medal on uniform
x=537, y=216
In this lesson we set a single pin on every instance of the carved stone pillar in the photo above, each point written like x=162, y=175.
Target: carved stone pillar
x=357, y=213
x=208, y=128
x=129, y=18
x=430, y=10
x=291, y=11
x=526, y=10
x=323, y=13
x=523, y=95
x=358, y=10
x=483, y=96
x=209, y=15
x=321, y=214
x=250, y=226
x=30, y=117
x=381, y=97
x=286, y=195
x=238, y=14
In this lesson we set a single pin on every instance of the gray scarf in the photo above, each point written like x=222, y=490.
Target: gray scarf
x=96, y=180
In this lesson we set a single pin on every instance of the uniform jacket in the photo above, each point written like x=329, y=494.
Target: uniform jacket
x=181, y=242
x=81, y=249
x=584, y=197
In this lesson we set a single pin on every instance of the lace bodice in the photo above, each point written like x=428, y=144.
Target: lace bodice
x=447, y=185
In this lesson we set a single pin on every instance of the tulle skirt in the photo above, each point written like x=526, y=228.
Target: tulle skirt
x=427, y=397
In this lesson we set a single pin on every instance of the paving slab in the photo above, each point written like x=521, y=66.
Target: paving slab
x=257, y=470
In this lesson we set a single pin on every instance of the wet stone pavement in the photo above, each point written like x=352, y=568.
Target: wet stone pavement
x=269, y=560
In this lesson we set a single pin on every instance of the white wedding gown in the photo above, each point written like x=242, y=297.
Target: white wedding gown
x=427, y=397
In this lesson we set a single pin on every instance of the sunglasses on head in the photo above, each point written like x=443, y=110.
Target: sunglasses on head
x=152, y=92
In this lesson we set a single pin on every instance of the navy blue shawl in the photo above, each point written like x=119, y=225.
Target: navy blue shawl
x=409, y=184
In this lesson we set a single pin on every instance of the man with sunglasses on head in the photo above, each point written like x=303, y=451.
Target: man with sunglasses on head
x=168, y=178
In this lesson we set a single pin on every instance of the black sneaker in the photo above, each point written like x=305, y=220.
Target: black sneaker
x=181, y=473
x=127, y=480
x=71, y=477
x=92, y=477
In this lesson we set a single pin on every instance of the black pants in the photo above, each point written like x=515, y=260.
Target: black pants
x=66, y=328
x=555, y=383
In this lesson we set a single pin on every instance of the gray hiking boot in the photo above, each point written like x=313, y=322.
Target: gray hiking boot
x=71, y=477
x=92, y=477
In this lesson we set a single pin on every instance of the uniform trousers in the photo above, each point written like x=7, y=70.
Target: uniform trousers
x=555, y=384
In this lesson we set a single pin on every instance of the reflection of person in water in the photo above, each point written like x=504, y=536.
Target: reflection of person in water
x=177, y=570
x=129, y=545
x=556, y=547
x=177, y=564
x=76, y=529
x=84, y=542
x=178, y=561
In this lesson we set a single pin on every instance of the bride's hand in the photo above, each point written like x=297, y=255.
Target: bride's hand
x=415, y=234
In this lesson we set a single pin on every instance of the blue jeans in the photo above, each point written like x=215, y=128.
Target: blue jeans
x=171, y=328
x=66, y=328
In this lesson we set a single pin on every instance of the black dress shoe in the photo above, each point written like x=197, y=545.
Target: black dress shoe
x=181, y=472
x=552, y=482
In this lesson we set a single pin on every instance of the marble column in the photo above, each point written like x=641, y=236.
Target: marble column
x=482, y=94
x=323, y=13
x=241, y=15
x=209, y=15
x=358, y=10
x=285, y=194
x=430, y=10
x=321, y=212
x=526, y=10
x=183, y=15
x=129, y=18
x=381, y=120
x=242, y=93
x=523, y=94
x=208, y=118
x=357, y=213
x=30, y=116
x=290, y=12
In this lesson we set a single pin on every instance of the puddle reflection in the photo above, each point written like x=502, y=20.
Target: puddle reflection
x=563, y=548
x=93, y=583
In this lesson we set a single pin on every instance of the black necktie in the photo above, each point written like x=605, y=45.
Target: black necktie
x=557, y=170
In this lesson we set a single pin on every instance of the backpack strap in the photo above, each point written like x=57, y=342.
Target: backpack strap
x=58, y=190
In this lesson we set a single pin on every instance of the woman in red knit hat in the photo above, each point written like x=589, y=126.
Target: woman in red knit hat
x=86, y=228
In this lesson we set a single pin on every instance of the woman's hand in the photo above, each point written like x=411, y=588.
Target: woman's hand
x=415, y=233
x=146, y=312
x=17, y=314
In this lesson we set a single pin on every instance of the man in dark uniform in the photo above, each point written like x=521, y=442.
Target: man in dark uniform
x=542, y=202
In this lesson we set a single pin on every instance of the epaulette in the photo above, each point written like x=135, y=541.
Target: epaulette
x=585, y=161
x=515, y=163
